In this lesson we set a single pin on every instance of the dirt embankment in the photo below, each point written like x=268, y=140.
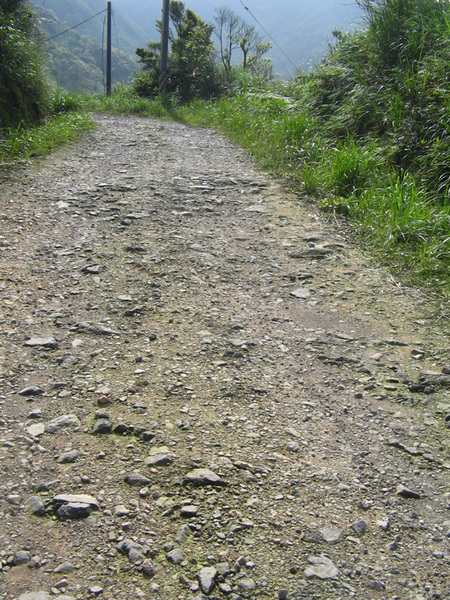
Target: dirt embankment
x=206, y=391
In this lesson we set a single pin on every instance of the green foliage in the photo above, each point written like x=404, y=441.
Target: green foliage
x=192, y=71
x=23, y=90
x=24, y=142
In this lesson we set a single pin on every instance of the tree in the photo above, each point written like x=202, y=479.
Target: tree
x=253, y=49
x=23, y=92
x=191, y=68
x=228, y=28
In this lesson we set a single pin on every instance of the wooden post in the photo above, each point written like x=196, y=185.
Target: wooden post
x=162, y=84
x=108, y=49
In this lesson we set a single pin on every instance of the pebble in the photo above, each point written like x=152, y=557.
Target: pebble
x=42, y=342
x=331, y=535
x=359, y=527
x=322, y=568
x=31, y=391
x=135, y=479
x=102, y=428
x=405, y=492
x=68, y=457
x=203, y=477
x=22, y=557
x=63, y=422
x=148, y=568
x=175, y=556
x=35, y=596
x=35, y=506
x=206, y=578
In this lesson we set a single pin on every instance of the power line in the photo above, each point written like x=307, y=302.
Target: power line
x=268, y=35
x=82, y=23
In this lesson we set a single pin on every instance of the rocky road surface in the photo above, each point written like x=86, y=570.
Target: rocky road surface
x=206, y=390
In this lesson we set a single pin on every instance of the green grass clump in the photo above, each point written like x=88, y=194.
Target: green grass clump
x=25, y=142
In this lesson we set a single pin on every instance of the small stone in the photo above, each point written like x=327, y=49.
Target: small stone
x=61, y=499
x=14, y=499
x=73, y=511
x=378, y=586
x=42, y=342
x=405, y=492
x=203, y=477
x=62, y=422
x=175, y=556
x=36, y=430
x=148, y=568
x=189, y=511
x=31, y=391
x=68, y=457
x=183, y=534
x=159, y=457
x=22, y=557
x=360, y=528
x=35, y=506
x=35, y=596
x=246, y=583
x=206, y=578
x=322, y=568
x=102, y=428
x=95, y=590
x=65, y=567
x=301, y=293
x=135, y=479
x=331, y=535
x=133, y=550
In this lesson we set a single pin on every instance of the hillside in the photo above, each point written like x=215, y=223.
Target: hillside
x=300, y=29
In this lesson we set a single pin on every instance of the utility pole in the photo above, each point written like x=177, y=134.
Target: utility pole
x=162, y=84
x=108, y=49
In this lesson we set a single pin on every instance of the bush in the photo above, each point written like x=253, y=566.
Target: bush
x=23, y=91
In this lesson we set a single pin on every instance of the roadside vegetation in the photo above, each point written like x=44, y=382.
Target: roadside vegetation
x=366, y=135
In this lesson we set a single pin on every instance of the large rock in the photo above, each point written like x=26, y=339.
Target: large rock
x=322, y=568
x=62, y=422
x=203, y=477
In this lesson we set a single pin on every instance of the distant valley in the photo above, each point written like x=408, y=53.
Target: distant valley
x=301, y=30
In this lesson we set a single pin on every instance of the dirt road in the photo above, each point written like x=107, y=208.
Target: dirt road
x=206, y=390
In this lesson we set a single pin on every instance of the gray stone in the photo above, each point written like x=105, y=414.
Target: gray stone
x=159, y=458
x=206, y=578
x=102, y=428
x=63, y=422
x=378, y=586
x=133, y=550
x=331, y=535
x=135, y=479
x=359, y=527
x=65, y=567
x=301, y=293
x=322, y=568
x=246, y=583
x=183, y=534
x=35, y=596
x=31, y=391
x=77, y=499
x=188, y=511
x=68, y=457
x=42, y=342
x=203, y=477
x=405, y=492
x=73, y=511
x=148, y=568
x=35, y=506
x=22, y=557
x=175, y=556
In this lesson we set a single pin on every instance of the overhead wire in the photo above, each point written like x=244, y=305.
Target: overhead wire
x=269, y=36
x=77, y=25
